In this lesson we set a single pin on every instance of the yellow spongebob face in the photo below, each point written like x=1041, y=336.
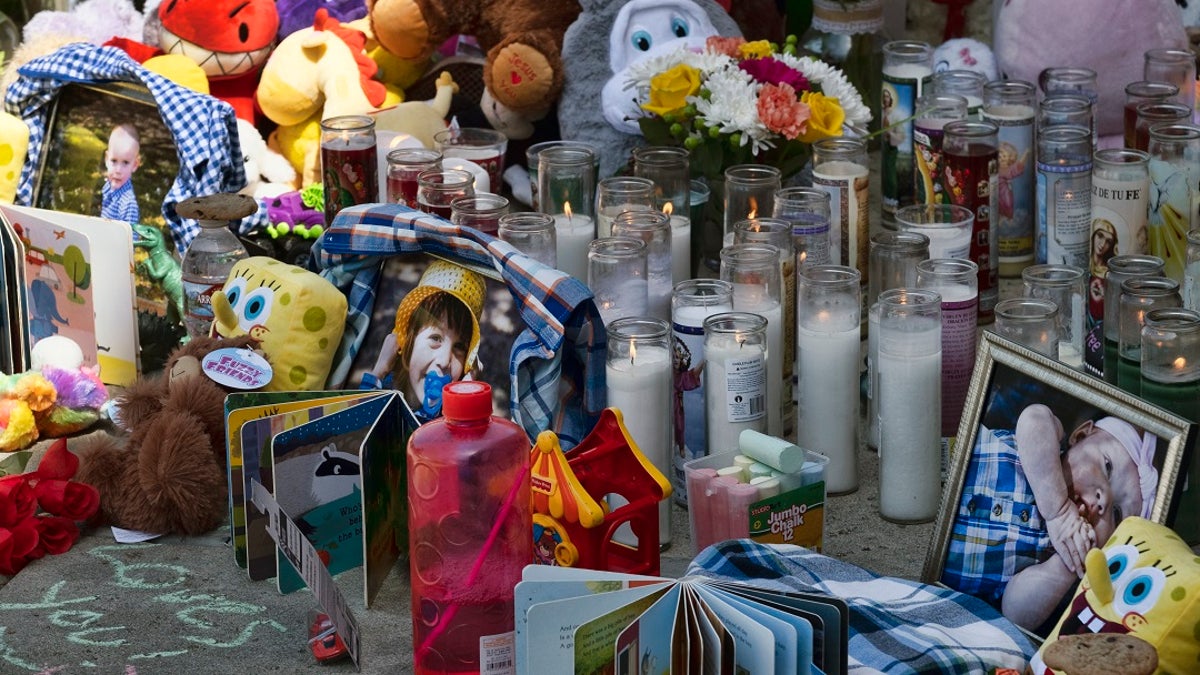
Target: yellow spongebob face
x=296, y=316
x=1146, y=582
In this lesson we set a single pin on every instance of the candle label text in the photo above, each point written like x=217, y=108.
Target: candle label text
x=746, y=389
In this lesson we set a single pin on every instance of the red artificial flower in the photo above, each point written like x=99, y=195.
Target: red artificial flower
x=57, y=463
x=67, y=498
x=17, y=500
x=16, y=552
x=781, y=112
x=56, y=534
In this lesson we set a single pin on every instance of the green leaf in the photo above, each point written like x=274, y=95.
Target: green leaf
x=656, y=131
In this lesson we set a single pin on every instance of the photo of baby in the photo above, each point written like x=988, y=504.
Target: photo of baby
x=121, y=159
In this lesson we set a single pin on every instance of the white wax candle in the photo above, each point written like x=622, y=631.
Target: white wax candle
x=827, y=412
x=658, y=295
x=628, y=298
x=572, y=235
x=846, y=183
x=681, y=249
x=735, y=393
x=909, y=430
x=908, y=71
x=753, y=298
x=687, y=322
x=640, y=387
x=605, y=215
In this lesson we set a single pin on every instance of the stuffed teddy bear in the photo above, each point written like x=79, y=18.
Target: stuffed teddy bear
x=167, y=474
x=523, y=72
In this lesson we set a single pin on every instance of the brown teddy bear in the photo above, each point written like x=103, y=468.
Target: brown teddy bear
x=168, y=474
x=522, y=38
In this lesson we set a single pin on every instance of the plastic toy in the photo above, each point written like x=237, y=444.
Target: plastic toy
x=573, y=524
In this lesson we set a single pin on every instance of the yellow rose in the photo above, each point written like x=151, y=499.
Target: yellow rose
x=669, y=89
x=827, y=116
x=755, y=50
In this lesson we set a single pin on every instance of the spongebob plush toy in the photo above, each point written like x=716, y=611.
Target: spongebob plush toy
x=296, y=316
x=1144, y=582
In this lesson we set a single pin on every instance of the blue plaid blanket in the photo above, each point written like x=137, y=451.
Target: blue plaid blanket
x=896, y=625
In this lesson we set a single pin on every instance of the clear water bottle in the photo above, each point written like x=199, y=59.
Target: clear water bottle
x=206, y=265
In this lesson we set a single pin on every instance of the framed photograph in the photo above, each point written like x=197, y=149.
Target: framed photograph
x=1048, y=461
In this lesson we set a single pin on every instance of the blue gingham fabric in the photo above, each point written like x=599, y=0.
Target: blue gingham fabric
x=204, y=127
x=556, y=368
x=896, y=625
x=119, y=204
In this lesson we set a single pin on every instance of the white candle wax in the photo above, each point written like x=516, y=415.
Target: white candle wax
x=605, y=216
x=572, y=235
x=681, y=249
x=909, y=431
x=735, y=393
x=658, y=295
x=908, y=71
x=827, y=412
x=687, y=322
x=628, y=298
x=753, y=298
x=845, y=182
x=640, y=387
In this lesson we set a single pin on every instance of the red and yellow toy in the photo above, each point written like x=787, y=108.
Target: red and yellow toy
x=573, y=525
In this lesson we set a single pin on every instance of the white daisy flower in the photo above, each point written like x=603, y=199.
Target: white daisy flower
x=732, y=107
x=640, y=72
x=833, y=84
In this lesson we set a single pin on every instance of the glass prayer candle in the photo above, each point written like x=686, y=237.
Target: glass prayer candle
x=485, y=147
x=638, y=382
x=1121, y=196
x=735, y=377
x=909, y=377
x=616, y=273
x=1153, y=113
x=1032, y=322
x=965, y=83
x=566, y=191
x=617, y=194
x=840, y=169
x=1009, y=104
x=907, y=70
x=1067, y=287
x=1176, y=66
x=829, y=299
x=404, y=165
x=1139, y=296
x=1191, y=277
x=531, y=163
x=807, y=211
x=1063, y=109
x=669, y=168
x=749, y=193
x=934, y=112
x=1174, y=174
x=947, y=226
x=1143, y=91
x=438, y=188
x=1171, y=361
x=894, y=258
x=530, y=233
x=349, y=163
x=692, y=301
x=872, y=373
x=1106, y=314
x=654, y=228
x=971, y=159
x=481, y=211
x=1064, y=195
x=954, y=280
x=754, y=272
x=1062, y=80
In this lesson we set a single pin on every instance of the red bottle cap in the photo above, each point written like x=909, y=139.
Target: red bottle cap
x=467, y=400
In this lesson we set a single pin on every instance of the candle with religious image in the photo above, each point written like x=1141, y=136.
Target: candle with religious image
x=753, y=270
x=907, y=70
x=972, y=170
x=1064, y=195
x=840, y=170
x=934, y=112
x=349, y=165
x=1009, y=104
x=1174, y=177
x=735, y=377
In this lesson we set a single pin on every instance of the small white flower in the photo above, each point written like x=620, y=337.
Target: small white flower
x=833, y=84
x=638, y=74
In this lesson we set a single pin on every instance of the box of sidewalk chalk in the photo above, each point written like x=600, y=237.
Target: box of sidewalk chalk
x=769, y=490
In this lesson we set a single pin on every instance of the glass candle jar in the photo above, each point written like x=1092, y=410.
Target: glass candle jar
x=907, y=70
x=654, y=228
x=349, y=163
x=438, y=188
x=530, y=233
x=531, y=162
x=481, y=211
x=404, y=165
x=1066, y=79
x=1009, y=104
x=485, y=147
x=894, y=258
x=735, y=377
x=617, y=194
x=1144, y=91
x=1139, y=296
x=669, y=169
x=952, y=280
x=1153, y=113
x=692, y=301
x=965, y=83
x=1064, y=195
x=947, y=226
x=934, y=112
x=1107, y=313
x=1067, y=287
x=807, y=211
x=638, y=382
x=909, y=377
x=1058, y=110
x=972, y=169
x=1170, y=366
x=749, y=193
x=1176, y=66
x=1191, y=277
x=616, y=273
x=828, y=358
x=754, y=272
x=1175, y=173
x=778, y=233
x=1032, y=322
x=566, y=191
x=1121, y=196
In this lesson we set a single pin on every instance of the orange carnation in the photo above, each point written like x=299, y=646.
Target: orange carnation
x=781, y=111
x=729, y=46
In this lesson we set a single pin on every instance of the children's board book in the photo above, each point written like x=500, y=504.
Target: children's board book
x=337, y=468
x=71, y=276
x=589, y=621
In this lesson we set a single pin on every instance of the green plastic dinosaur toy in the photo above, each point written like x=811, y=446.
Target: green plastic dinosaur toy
x=161, y=266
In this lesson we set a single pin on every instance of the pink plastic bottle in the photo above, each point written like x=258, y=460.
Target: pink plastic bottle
x=470, y=533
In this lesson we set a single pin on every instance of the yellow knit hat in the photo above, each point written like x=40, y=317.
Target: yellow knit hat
x=446, y=277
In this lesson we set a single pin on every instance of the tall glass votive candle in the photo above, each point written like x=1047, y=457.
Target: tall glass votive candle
x=1143, y=91
x=965, y=83
x=706, y=245
x=1138, y=297
x=934, y=112
x=947, y=226
x=692, y=301
x=894, y=258
x=1175, y=171
x=972, y=171
x=481, y=211
x=349, y=163
x=616, y=273
x=1067, y=287
x=910, y=365
x=1064, y=109
x=669, y=168
x=1073, y=80
x=1121, y=196
x=828, y=342
x=735, y=377
x=530, y=233
x=951, y=279
x=438, y=188
x=1191, y=276
x=749, y=193
x=907, y=70
x=1064, y=195
x=1153, y=113
x=638, y=381
x=617, y=194
x=404, y=165
x=807, y=211
x=1106, y=315
x=531, y=162
x=1009, y=104
x=654, y=228
x=872, y=370
x=1171, y=360
x=485, y=147
x=1176, y=66
x=840, y=169
x=567, y=191
x=1032, y=322
x=754, y=272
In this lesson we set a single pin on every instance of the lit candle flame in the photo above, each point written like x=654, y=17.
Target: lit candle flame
x=803, y=256
x=567, y=210
x=753, y=208
x=632, y=352
x=668, y=209
x=1179, y=363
